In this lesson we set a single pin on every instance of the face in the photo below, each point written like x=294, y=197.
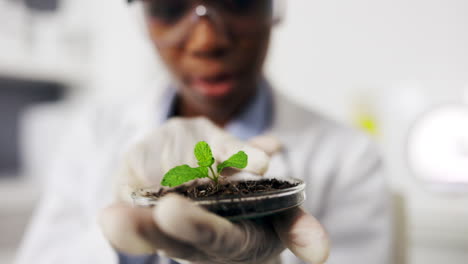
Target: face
x=216, y=65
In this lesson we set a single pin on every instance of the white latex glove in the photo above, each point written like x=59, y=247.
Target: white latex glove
x=188, y=233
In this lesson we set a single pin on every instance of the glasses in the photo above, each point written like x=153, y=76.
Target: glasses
x=177, y=18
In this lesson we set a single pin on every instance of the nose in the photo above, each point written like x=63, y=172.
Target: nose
x=208, y=37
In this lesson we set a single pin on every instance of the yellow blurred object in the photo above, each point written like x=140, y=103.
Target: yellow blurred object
x=368, y=123
x=365, y=119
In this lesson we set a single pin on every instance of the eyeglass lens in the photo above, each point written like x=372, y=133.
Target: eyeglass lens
x=171, y=11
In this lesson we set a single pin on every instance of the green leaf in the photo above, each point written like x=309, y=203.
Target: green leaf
x=182, y=174
x=238, y=160
x=203, y=154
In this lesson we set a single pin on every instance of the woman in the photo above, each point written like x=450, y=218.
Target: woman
x=214, y=51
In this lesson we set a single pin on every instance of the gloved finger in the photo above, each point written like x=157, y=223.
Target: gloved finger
x=139, y=168
x=224, y=147
x=303, y=235
x=268, y=143
x=133, y=231
x=215, y=236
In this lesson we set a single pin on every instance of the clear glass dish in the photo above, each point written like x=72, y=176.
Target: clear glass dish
x=241, y=207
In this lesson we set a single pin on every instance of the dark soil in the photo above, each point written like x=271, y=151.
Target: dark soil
x=225, y=189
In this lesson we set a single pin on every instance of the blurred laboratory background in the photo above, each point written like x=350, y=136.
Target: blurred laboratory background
x=396, y=69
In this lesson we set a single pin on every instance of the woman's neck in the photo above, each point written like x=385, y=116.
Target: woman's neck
x=219, y=112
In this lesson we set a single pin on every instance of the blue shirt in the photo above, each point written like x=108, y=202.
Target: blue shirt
x=252, y=121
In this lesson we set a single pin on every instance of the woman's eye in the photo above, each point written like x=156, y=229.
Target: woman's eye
x=167, y=10
x=242, y=5
x=247, y=6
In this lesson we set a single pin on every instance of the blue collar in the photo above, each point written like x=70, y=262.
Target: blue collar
x=254, y=120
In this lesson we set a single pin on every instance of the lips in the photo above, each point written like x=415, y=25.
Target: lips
x=216, y=85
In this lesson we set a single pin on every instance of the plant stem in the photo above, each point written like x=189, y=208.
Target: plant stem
x=211, y=178
x=215, y=176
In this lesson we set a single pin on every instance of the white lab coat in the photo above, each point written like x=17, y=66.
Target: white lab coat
x=345, y=187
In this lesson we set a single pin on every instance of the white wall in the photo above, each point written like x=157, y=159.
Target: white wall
x=327, y=49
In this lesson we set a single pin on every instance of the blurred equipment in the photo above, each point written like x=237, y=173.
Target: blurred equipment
x=42, y=5
x=437, y=147
x=15, y=96
x=400, y=225
x=364, y=113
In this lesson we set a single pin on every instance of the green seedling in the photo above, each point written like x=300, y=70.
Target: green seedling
x=184, y=173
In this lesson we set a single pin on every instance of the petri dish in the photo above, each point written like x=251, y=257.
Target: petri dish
x=241, y=207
